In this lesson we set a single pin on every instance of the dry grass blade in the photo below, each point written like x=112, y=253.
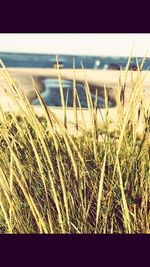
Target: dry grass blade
x=61, y=93
x=100, y=191
x=91, y=111
x=125, y=206
x=75, y=97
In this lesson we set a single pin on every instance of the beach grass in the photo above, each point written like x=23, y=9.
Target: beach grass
x=88, y=183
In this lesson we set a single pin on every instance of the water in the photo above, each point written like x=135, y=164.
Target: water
x=51, y=94
x=48, y=60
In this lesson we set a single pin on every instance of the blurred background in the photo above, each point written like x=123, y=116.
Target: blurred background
x=95, y=51
x=35, y=55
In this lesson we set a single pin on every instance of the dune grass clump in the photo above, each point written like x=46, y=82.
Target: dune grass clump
x=54, y=182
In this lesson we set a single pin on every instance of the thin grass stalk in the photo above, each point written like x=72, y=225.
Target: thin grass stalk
x=106, y=107
x=61, y=93
x=90, y=108
x=11, y=189
x=100, y=191
x=63, y=190
x=74, y=98
x=125, y=206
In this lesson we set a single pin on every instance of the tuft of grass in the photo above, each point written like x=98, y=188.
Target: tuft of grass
x=55, y=182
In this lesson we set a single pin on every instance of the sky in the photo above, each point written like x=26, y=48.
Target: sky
x=77, y=44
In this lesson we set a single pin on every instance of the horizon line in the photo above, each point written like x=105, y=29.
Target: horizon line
x=68, y=54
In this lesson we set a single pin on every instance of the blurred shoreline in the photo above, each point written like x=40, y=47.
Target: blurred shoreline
x=95, y=78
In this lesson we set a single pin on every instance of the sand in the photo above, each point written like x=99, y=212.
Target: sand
x=95, y=78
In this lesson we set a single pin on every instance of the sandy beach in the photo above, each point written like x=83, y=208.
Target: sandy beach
x=95, y=78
